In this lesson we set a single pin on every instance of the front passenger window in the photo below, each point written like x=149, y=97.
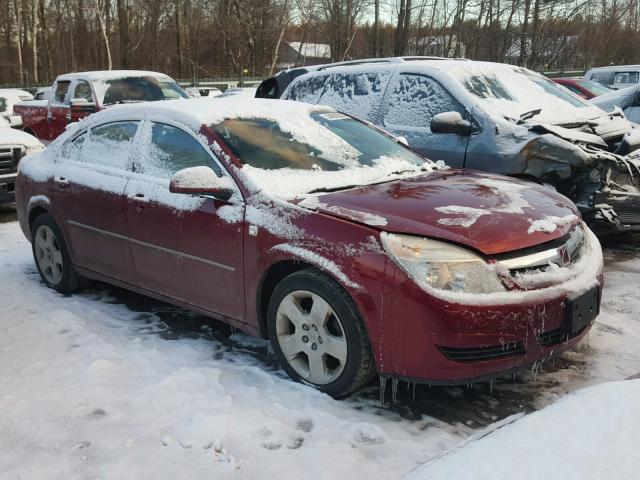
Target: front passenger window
x=415, y=99
x=173, y=149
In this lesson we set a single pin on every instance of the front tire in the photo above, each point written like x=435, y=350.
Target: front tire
x=52, y=257
x=317, y=334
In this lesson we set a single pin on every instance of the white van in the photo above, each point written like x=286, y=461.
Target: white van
x=617, y=77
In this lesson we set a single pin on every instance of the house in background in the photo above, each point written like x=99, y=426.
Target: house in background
x=437, y=46
x=298, y=54
x=560, y=51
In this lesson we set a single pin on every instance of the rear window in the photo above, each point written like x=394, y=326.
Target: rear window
x=138, y=89
x=358, y=94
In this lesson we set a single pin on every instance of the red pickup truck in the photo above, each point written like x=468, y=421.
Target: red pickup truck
x=76, y=95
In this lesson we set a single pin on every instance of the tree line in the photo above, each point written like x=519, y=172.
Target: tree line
x=235, y=38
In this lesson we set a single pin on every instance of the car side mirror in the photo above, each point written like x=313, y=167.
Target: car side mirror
x=201, y=181
x=450, y=122
x=82, y=105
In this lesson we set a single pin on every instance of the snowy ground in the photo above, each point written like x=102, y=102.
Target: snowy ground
x=108, y=384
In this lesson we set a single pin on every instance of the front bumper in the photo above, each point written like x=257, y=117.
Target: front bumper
x=430, y=339
x=7, y=188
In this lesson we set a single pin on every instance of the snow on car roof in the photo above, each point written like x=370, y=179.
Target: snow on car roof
x=105, y=75
x=615, y=67
x=14, y=92
x=195, y=112
x=12, y=136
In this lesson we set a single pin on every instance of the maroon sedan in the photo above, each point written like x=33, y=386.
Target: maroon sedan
x=352, y=253
x=587, y=89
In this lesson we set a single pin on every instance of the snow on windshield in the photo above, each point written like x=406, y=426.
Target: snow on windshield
x=513, y=91
x=316, y=151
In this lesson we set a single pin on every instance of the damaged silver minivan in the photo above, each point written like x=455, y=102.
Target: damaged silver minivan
x=493, y=117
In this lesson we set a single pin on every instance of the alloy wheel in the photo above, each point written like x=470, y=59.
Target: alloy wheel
x=311, y=337
x=48, y=254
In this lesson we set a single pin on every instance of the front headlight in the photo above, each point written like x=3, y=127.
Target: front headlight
x=434, y=264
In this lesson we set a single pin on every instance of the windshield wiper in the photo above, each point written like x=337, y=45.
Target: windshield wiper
x=527, y=115
x=333, y=189
x=424, y=168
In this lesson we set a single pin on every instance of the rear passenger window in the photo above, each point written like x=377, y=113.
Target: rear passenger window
x=413, y=100
x=61, y=91
x=173, y=149
x=110, y=145
x=358, y=94
x=72, y=149
x=309, y=90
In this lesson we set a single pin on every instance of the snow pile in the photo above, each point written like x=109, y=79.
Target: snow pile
x=591, y=434
x=550, y=224
x=89, y=391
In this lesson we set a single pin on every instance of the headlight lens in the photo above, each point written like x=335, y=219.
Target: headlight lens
x=434, y=264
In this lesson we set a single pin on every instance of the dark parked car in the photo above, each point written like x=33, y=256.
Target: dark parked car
x=586, y=89
x=352, y=253
x=493, y=117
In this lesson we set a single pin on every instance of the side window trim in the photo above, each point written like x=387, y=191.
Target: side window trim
x=74, y=86
x=136, y=136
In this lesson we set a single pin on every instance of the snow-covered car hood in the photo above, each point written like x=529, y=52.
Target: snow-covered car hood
x=489, y=213
x=10, y=136
x=618, y=98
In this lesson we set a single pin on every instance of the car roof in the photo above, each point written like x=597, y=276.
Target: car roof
x=110, y=74
x=196, y=112
x=615, y=67
x=13, y=92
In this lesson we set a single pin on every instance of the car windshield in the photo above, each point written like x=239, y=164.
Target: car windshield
x=3, y=104
x=512, y=91
x=594, y=87
x=320, y=151
x=137, y=89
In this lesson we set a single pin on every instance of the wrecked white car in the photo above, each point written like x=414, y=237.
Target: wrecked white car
x=491, y=117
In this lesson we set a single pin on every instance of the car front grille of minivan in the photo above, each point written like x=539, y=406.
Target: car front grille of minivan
x=9, y=158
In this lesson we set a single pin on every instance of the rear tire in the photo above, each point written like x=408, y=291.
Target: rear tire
x=52, y=257
x=317, y=334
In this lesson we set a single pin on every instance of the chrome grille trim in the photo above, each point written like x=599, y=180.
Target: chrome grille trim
x=553, y=255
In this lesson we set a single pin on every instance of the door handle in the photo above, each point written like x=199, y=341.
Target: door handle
x=68, y=116
x=139, y=200
x=61, y=182
x=49, y=116
x=137, y=196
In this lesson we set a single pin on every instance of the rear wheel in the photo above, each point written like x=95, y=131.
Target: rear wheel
x=317, y=334
x=52, y=257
